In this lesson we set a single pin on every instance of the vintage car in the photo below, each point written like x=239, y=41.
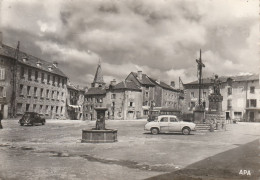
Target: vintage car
x=31, y=118
x=169, y=123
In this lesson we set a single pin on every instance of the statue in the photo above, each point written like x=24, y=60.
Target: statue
x=100, y=123
x=216, y=85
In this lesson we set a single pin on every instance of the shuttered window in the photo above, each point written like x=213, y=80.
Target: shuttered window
x=2, y=74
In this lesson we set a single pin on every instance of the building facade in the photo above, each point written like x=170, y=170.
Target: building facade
x=37, y=85
x=241, y=98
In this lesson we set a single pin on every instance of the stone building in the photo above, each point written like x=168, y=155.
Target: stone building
x=36, y=85
x=75, y=102
x=157, y=92
x=241, y=96
x=123, y=100
x=126, y=100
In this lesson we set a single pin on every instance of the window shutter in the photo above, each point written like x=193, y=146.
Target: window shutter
x=133, y=104
x=4, y=92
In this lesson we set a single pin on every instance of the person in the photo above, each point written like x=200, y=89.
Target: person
x=1, y=117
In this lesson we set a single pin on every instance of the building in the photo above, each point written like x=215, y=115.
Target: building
x=241, y=96
x=156, y=92
x=31, y=84
x=75, y=102
x=122, y=100
x=126, y=100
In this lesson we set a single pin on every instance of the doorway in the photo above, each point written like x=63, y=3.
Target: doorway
x=227, y=116
x=251, y=116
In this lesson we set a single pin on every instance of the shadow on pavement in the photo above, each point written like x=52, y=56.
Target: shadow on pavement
x=242, y=162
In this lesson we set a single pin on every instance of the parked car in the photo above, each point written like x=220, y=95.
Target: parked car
x=31, y=118
x=169, y=123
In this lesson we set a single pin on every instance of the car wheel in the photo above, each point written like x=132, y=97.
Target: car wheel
x=21, y=124
x=32, y=123
x=43, y=122
x=154, y=130
x=186, y=131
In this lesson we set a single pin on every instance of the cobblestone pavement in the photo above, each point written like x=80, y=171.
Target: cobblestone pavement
x=54, y=151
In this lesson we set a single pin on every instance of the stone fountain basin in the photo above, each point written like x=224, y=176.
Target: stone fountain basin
x=99, y=136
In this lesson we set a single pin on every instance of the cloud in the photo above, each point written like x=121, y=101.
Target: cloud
x=160, y=37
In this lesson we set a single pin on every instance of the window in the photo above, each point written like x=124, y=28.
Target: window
x=61, y=109
x=47, y=109
x=48, y=79
x=172, y=119
x=34, y=108
x=204, y=94
x=164, y=119
x=53, y=80
x=238, y=114
x=29, y=74
x=35, y=92
x=146, y=94
x=41, y=109
x=252, y=102
x=192, y=94
x=36, y=76
x=52, y=94
x=42, y=92
x=27, y=107
x=1, y=91
x=192, y=105
x=58, y=81
x=131, y=104
x=22, y=73
x=252, y=89
x=147, y=87
x=57, y=108
x=21, y=90
x=28, y=90
x=229, y=91
x=42, y=78
x=63, y=82
x=47, y=93
x=58, y=93
x=2, y=74
x=100, y=100
x=229, y=104
x=113, y=96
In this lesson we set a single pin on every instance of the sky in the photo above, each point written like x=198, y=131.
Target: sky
x=162, y=38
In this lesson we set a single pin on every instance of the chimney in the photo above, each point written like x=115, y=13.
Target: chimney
x=1, y=39
x=55, y=64
x=139, y=75
x=172, y=84
x=113, y=83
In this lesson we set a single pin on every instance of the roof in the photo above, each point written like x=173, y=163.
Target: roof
x=225, y=78
x=96, y=91
x=32, y=60
x=98, y=76
x=145, y=79
x=163, y=84
x=127, y=85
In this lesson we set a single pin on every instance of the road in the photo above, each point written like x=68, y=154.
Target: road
x=55, y=151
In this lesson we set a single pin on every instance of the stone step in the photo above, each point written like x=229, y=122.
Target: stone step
x=200, y=127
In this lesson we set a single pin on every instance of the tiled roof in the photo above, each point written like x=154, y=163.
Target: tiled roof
x=96, y=91
x=145, y=79
x=31, y=60
x=224, y=79
x=162, y=84
x=127, y=85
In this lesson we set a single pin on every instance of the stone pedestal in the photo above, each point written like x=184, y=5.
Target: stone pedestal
x=199, y=116
x=215, y=103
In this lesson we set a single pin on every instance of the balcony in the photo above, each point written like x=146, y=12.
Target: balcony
x=229, y=107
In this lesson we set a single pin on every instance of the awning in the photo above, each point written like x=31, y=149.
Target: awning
x=253, y=109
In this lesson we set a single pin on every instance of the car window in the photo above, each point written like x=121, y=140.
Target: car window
x=164, y=119
x=172, y=119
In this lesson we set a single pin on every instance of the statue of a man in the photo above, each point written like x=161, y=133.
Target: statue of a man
x=216, y=86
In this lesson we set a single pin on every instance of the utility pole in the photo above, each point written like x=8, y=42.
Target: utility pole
x=200, y=66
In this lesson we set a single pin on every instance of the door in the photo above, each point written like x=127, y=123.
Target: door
x=227, y=116
x=174, y=125
x=251, y=116
x=164, y=124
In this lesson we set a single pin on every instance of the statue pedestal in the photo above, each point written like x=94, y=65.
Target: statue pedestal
x=199, y=115
x=215, y=113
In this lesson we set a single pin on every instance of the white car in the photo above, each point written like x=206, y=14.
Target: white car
x=169, y=123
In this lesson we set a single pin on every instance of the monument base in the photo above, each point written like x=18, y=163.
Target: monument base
x=99, y=136
x=199, y=116
x=216, y=117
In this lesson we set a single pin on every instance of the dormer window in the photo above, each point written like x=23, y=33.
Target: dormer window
x=50, y=68
x=39, y=64
x=25, y=59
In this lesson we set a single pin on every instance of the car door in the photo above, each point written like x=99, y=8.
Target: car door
x=174, y=125
x=36, y=118
x=164, y=124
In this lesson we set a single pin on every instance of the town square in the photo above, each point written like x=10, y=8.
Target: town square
x=129, y=89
